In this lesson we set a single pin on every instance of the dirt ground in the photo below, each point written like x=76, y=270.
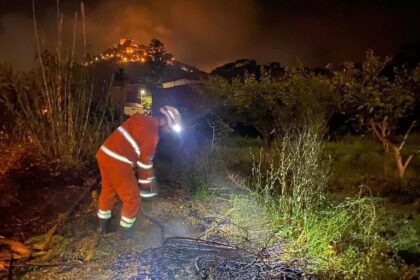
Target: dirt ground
x=107, y=249
x=34, y=194
x=37, y=195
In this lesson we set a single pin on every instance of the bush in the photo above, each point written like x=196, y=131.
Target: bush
x=297, y=176
x=333, y=238
x=53, y=105
x=60, y=116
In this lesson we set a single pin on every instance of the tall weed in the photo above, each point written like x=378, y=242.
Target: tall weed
x=53, y=105
x=333, y=238
x=297, y=176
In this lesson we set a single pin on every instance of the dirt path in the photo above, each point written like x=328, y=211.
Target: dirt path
x=35, y=193
x=39, y=196
x=171, y=209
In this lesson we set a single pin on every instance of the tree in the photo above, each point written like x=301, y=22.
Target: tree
x=269, y=103
x=158, y=58
x=378, y=103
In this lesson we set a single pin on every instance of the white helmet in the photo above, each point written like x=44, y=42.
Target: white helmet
x=173, y=117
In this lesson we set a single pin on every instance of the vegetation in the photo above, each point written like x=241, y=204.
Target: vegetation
x=352, y=235
x=320, y=199
x=271, y=103
x=378, y=102
x=361, y=161
x=158, y=57
x=336, y=237
x=54, y=107
x=368, y=99
x=327, y=203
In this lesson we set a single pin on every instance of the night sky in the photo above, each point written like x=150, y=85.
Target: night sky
x=207, y=34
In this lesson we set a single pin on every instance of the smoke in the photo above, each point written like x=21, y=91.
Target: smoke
x=16, y=41
x=200, y=33
x=207, y=34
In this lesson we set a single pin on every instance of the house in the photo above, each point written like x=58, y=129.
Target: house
x=179, y=93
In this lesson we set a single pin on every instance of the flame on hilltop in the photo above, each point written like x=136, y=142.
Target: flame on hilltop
x=125, y=51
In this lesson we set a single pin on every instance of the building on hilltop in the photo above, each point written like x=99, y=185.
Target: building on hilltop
x=123, y=70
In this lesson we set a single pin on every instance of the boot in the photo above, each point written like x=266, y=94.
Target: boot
x=127, y=233
x=104, y=226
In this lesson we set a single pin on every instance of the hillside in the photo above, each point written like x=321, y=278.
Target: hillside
x=132, y=59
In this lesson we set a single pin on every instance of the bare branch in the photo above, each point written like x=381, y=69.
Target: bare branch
x=234, y=179
x=408, y=161
x=375, y=129
x=413, y=124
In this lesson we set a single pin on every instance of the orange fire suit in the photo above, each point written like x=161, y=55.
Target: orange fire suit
x=128, y=149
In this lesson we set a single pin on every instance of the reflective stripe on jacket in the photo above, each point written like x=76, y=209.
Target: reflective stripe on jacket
x=134, y=143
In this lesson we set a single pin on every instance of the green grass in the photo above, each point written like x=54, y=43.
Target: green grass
x=362, y=161
x=346, y=239
x=335, y=236
x=327, y=200
x=355, y=161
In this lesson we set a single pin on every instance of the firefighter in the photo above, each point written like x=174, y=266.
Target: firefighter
x=126, y=162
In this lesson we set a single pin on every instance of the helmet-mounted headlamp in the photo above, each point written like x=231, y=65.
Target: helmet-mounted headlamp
x=173, y=118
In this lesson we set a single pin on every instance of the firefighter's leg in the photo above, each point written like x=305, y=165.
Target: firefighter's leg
x=107, y=199
x=126, y=186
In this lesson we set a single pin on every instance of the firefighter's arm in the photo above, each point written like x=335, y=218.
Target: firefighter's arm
x=149, y=136
x=145, y=172
x=146, y=179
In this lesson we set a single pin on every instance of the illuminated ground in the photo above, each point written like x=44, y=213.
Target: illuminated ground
x=45, y=196
x=81, y=254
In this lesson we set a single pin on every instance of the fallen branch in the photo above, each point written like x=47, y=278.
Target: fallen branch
x=19, y=251
x=90, y=252
x=29, y=264
x=63, y=217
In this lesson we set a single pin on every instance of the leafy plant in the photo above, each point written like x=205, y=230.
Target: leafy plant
x=378, y=103
x=271, y=103
x=333, y=238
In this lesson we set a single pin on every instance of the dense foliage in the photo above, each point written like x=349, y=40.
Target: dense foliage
x=271, y=103
x=294, y=97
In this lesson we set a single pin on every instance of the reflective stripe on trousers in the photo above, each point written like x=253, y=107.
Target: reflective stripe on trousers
x=127, y=222
x=104, y=214
x=116, y=156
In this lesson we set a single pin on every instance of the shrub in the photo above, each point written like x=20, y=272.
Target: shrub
x=333, y=238
x=61, y=119
x=53, y=105
x=297, y=176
